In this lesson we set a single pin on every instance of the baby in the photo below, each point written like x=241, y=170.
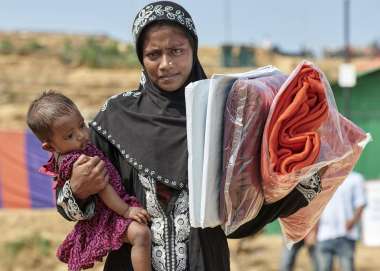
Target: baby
x=118, y=218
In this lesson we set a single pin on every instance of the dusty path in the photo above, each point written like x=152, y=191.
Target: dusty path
x=28, y=241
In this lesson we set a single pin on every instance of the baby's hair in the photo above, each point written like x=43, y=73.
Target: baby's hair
x=45, y=109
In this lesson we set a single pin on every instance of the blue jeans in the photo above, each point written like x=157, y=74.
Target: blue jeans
x=341, y=247
x=289, y=257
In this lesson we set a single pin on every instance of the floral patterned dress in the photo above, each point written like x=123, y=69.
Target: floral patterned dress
x=91, y=239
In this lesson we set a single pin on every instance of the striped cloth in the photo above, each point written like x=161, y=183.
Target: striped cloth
x=21, y=185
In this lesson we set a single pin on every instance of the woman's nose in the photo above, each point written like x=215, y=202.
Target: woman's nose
x=166, y=61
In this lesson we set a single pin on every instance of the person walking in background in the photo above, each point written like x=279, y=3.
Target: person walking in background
x=290, y=254
x=338, y=227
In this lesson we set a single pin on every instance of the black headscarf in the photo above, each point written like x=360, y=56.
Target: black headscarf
x=148, y=126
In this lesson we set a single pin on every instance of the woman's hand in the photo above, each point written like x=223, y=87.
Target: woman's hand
x=138, y=214
x=89, y=176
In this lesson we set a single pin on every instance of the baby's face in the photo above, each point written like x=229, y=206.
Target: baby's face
x=70, y=133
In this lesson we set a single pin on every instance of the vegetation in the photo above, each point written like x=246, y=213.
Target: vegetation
x=93, y=52
x=30, y=47
x=32, y=252
x=35, y=241
x=6, y=47
x=97, y=54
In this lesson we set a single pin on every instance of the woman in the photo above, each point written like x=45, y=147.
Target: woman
x=143, y=132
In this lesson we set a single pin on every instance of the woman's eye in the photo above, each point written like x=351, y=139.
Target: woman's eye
x=153, y=55
x=69, y=136
x=177, y=51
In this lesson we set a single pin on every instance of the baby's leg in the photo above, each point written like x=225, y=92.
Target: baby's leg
x=138, y=235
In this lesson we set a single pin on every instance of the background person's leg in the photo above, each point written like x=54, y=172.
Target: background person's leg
x=313, y=257
x=325, y=251
x=289, y=256
x=345, y=252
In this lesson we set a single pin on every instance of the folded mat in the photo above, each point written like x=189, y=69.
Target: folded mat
x=246, y=111
x=305, y=135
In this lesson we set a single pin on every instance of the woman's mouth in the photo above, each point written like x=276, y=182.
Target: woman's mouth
x=168, y=77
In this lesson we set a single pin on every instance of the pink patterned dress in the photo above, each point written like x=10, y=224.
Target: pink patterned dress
x=91, y=239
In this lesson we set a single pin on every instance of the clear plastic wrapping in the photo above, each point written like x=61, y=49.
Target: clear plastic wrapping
x=305, y=134
x=205, y=107
x=297, y=225
x=246, y=111
x=278, y=132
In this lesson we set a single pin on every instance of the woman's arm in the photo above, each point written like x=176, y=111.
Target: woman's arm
x=89, y=177
x=356, y=218
x=270, y=212
x=74, y=201
x=71, y=208
x=298, y=198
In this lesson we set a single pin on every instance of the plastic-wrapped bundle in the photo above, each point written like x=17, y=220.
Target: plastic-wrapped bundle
x=205, y=107
x=296, y=226
x=305, y=134
x=246, y=111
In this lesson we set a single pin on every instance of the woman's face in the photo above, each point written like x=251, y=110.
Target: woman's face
x=167, y=57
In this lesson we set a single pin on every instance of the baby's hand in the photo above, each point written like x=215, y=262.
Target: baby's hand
x=138, y=214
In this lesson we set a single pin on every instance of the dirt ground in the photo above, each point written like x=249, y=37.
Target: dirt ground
x=28, y=241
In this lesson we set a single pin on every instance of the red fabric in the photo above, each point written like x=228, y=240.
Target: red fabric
x=14, y=183
x=164, y=193
x=246, y=111
x=293, y=139
x=305, y=134
x=291, y=136
x=296, y=226
x=92, y=239
x=48, y=168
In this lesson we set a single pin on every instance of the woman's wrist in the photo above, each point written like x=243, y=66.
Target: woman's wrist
x=72, y=208
x=78, y=194
x=125, y=213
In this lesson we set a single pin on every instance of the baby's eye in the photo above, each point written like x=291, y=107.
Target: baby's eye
x=69, y=136
x=83, y=125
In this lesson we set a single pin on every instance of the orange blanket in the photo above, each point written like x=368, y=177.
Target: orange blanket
x=305, y=134
x=293, y=138
x=292, y=130
x=296, y=226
